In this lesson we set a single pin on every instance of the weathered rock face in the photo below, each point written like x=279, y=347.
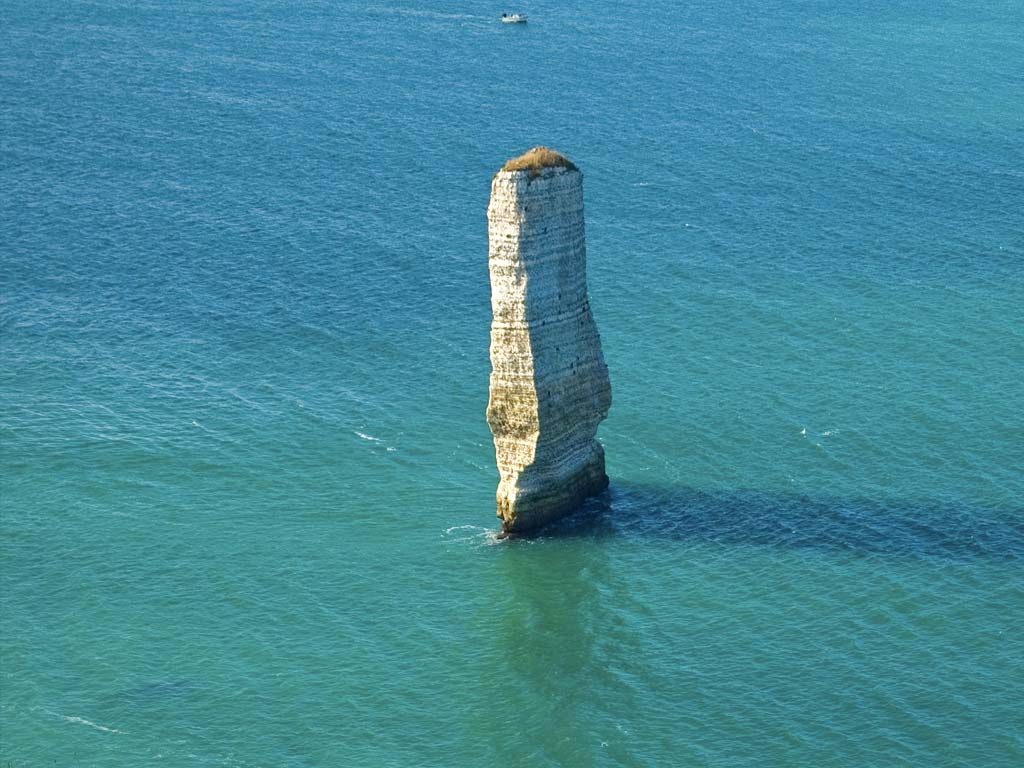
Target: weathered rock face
x=549, y=382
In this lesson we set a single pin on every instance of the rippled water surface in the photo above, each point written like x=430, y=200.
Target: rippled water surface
x=247, y=486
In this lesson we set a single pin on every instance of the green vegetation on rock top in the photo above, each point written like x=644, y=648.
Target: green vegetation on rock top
x=537, y=159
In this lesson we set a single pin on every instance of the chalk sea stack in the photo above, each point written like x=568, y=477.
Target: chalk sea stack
x=549, y=382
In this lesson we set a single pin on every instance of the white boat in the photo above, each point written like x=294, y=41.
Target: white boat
x=513, y=18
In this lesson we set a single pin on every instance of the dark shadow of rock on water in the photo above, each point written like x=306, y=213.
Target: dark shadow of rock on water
x=749, y=517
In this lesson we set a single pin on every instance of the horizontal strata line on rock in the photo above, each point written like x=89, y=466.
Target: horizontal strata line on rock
x=544, y=300
x=577, y=432
x=528, y=332
x=525, y=291
x=513, y=361
x=522, y=230
x=513, y=274
x=550, y=415
x=531, y=478
x=518, y=211
x=525, y=282
x=530, y=482
x=555, y=196
x=572, y=390
x=534, y=255
x=549, y=176
x=514, y=284
x=562, y=318
x=508, y=394
x=566, y=191
x=514, y=367
x=540, y=188
x=569, y=366
x=563, y=409
x=530, y=296
x=564, y=246
x=556, y=222
x=566, y=376
x=506, y=229
x=573, y=410
x=565, y=185
x=512, y=448
x=545, y=172
x=570, y=353
x=515, y=389
x=576, y=357
x=562, y=443
x=547, y=307
x=549, y=202
x=512, y=320
x=514, y=217
x=553, y=335
x=534, y=233
x=514, y=371
x=554, y=327
x=545, y=467
x=564, y=203
x=574, y=454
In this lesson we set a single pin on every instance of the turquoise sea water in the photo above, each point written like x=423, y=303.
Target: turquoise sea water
x=247, y=486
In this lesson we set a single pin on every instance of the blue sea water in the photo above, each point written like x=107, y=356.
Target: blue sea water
x=247, y=486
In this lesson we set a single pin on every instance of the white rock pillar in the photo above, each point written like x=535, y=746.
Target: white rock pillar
x=549, y=386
